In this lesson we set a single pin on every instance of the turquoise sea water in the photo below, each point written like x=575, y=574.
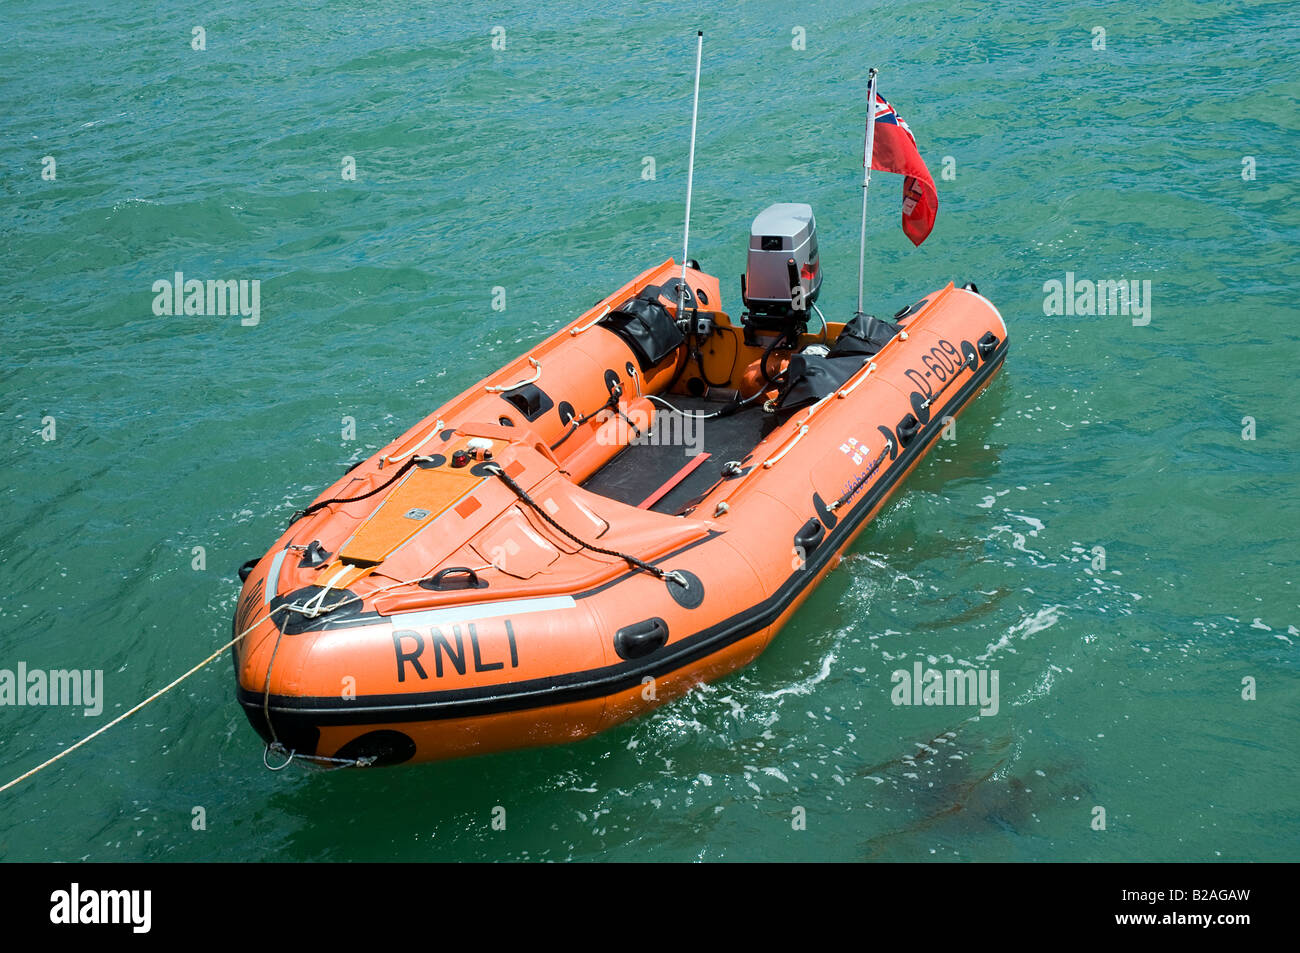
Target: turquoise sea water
x=522, y=168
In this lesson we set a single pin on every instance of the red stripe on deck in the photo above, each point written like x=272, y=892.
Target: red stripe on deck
x=673, y=480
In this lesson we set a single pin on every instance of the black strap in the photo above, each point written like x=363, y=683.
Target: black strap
x=615, y=393
x=302, y=514
x=632, y=561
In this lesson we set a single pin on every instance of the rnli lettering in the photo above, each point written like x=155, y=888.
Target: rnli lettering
x=450, y=652
x=479, y=665
x=456, y=655
x=412, y=657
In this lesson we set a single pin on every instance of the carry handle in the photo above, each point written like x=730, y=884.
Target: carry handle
x=502, y=388
x=439, y=581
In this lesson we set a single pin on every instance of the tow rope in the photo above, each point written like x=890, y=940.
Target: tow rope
x=277, y=746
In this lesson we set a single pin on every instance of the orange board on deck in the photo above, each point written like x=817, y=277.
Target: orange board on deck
x=415, y=503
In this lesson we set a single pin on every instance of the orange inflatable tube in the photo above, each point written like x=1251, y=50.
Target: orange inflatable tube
x=591, y=530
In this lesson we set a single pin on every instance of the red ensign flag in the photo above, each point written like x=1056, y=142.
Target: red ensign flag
x=894, y=150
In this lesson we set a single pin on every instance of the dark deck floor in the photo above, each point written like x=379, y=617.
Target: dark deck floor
x=642, y=468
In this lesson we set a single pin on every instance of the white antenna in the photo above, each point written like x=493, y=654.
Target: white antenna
x=690, y=172
x=867, y=150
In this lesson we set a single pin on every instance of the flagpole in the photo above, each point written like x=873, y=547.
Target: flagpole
x=690, y=171
x=867, y=150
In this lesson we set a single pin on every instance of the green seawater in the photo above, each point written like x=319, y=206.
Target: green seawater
x=1120, y=687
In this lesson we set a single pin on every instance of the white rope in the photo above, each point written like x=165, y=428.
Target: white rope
x=312, y=607
x=677, y=410
x=574, y=332
x=437, y=428
x=131, y=711
x=529, y=380
x=207, y=661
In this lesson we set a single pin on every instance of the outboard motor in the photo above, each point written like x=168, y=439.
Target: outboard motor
x=783, y=275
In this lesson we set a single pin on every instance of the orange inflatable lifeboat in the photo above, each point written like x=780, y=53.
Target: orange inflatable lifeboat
x=635, y=505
